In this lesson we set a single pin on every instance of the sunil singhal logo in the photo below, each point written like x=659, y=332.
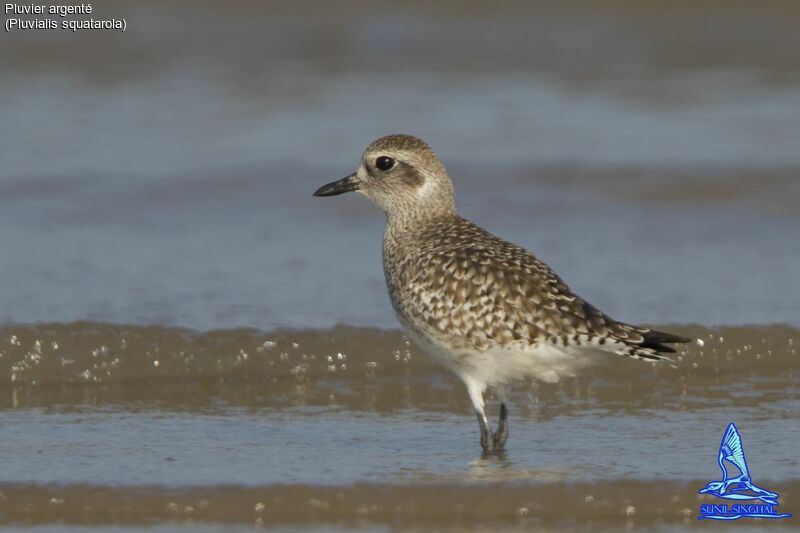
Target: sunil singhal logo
x=747, y=500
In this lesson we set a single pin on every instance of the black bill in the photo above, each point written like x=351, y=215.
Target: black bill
x=338, y=187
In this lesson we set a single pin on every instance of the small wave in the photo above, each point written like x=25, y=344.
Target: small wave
x=96, y=353
x=360, y=368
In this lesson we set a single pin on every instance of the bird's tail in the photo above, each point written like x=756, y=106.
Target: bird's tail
x=648, y=344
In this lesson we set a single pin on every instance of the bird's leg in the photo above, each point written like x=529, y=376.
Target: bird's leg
x=487, y=442
x=502, y=429
x=475, y=391
x=499, y=438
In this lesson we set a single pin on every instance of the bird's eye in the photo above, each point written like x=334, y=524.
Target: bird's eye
x=384, y=163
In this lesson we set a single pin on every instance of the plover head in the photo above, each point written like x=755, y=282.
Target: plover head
x=402, y=175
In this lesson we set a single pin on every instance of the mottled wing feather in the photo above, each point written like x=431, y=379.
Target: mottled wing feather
x=471, y=285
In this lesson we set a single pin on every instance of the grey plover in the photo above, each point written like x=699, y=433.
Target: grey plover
x=486, y=309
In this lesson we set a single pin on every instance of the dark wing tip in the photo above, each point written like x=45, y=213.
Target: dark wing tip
x=657, y=339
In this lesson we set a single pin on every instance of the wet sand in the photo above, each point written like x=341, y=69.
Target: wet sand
x=622, y=504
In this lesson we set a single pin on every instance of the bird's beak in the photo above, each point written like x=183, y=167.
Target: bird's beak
x=347, y=184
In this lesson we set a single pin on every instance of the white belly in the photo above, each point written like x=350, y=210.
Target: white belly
x=500, y=365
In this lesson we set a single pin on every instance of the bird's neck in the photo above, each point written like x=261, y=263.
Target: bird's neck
x=409, y=224
x=404, y=235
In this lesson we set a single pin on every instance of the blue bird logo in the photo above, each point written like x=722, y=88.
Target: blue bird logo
x=737, y=484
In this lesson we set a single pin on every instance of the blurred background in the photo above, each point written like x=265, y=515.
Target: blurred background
x=160, y=179
x=649, y=153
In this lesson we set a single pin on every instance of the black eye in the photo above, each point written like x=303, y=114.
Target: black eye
x=384, y=163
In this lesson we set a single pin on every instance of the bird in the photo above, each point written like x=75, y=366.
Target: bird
x=486, y=309
x=731, y=452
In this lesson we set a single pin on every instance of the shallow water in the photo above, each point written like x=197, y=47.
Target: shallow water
x=140, y=424
x=156, y=187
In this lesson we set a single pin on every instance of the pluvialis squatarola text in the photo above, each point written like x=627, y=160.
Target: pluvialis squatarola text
x=488, y=310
